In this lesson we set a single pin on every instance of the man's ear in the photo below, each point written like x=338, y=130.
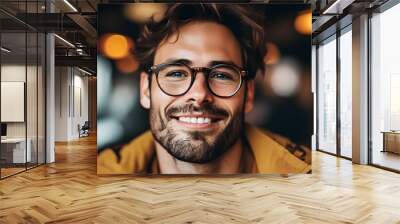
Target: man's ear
x=144, y=90
x=249, y=103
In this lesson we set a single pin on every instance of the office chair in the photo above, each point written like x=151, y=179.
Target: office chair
x=84, y=130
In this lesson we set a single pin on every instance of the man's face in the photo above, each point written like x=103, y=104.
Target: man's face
x=197, y=127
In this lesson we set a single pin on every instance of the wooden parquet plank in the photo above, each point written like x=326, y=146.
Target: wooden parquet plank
x=69, y=191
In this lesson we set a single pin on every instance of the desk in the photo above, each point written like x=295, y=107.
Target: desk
x=391, y=141
x=15, y=148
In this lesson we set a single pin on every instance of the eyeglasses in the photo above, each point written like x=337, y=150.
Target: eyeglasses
x=175, y=79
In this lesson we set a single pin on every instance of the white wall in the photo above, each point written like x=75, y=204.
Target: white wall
x=61, y=103
x=16, y=72
x=12, y=73
x=80, y=110
x=71, y=94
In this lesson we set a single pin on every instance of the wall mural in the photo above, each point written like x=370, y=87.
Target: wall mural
x=204, y=88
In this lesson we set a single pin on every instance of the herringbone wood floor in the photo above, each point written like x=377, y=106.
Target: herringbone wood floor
x=69, y=191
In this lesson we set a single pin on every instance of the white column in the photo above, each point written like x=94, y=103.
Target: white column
x=360, y=90
x=50, y=93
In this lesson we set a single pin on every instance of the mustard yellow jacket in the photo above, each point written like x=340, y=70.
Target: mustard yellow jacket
x=270, y=154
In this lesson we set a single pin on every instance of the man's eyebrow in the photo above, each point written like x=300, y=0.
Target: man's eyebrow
x=210, y=64
x=179, y=60
x=218, y=62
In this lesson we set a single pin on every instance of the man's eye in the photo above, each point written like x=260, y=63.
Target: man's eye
x=176, y=74
x=221, y=76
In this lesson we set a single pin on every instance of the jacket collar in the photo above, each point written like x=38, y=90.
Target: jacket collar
x=269, y=155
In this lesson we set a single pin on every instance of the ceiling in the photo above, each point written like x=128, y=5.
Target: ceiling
x=73, y=20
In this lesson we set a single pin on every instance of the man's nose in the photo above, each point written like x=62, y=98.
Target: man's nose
x=199, y=92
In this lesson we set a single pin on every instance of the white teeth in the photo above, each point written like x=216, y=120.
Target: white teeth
x=200, y=120
x=195, y=120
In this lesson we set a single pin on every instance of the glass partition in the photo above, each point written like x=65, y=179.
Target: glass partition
x=22, y=77
x=14, y=151
x=31, y=100
x=32, y=89
x=41, y=91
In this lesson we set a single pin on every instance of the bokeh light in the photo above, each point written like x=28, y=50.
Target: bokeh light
x=115, y=46
x=104, y=73
x=108, y=130
x=144, y=12
x=127, y=65
x=285, y=78
x=273, y=54
x=303, y=22
x=123, y=98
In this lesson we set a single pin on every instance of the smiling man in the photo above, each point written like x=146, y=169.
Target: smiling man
x=198, y=67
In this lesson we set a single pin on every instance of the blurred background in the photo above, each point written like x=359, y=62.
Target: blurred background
x=283, y=104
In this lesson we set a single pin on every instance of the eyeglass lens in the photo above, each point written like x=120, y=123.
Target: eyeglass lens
x=177, y=79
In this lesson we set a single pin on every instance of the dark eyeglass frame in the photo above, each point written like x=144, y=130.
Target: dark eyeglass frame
x=193, y=72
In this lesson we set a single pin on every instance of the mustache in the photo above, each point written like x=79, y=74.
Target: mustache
x=208, y=108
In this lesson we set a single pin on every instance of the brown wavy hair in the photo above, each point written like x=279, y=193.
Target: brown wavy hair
x=244, y=21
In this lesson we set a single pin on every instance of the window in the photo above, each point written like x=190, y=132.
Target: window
x=327, y=96
x=385, y=89
x=346, y=93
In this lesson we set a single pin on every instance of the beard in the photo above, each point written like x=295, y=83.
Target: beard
x=195, y=146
